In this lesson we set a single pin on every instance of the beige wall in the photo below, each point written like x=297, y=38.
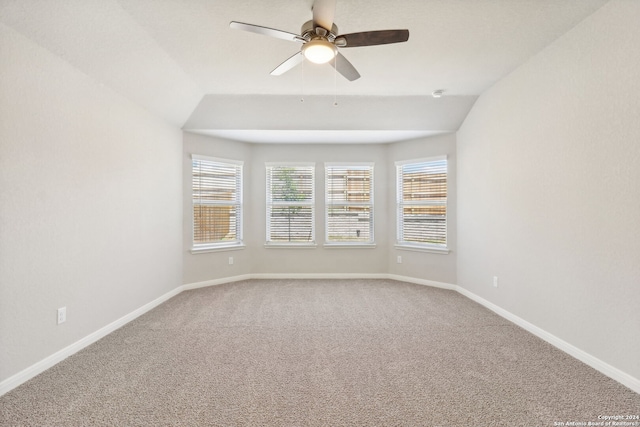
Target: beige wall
x=90, y=212
x=256, y=259
x=549, y=189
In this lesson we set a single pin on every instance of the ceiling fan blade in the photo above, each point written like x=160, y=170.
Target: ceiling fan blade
x=265, y=31
x=372, y=38
x=288, y=64
x=323, y=13
x=344, y=67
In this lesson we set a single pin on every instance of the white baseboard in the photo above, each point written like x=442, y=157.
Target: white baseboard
x=597, y=364
x=424, y=282
x=319, y=276
x=215, y=282
x=57, y=357
x=606, y=369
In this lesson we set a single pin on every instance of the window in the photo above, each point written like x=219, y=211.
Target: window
x=217, y=203
x=349, y=203
x=422, y=203
x=290, y=204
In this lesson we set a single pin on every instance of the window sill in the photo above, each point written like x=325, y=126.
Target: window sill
x=290, y=245
x=428, y=249
x=220, y=248
x=349, y=245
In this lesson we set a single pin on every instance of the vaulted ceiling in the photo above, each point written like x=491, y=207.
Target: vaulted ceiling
x=181, y=61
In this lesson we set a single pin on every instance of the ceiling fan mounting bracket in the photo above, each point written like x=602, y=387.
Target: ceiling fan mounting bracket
x=310, y=31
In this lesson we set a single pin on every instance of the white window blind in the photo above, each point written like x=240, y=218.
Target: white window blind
x=422, y=202
x=217, y=202
x=349, y=203
x=290, y=204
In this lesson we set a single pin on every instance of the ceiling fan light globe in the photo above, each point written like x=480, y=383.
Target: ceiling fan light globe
x=319, y=51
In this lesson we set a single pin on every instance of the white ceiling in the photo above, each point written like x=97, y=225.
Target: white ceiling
x=180, y=60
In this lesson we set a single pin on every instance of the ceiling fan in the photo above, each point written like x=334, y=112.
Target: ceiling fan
x=320, y=40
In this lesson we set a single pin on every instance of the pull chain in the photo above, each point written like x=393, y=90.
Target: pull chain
x=335, y=82
x=302, y=88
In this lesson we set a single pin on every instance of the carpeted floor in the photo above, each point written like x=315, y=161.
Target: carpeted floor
x=318, y=353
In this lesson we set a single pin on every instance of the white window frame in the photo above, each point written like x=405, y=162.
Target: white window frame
x=221, y=245
x=311, y=202
x=369, y=166
x=401, y=204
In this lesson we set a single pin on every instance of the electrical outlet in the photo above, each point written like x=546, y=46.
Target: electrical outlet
x=399, y=259
x=495, y=281
x=230, y=260
x=62, y=315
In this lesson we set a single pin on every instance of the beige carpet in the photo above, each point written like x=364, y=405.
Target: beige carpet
x=318, y=353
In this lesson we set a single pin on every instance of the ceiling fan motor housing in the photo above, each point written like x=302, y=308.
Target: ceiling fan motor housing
x=309, y=32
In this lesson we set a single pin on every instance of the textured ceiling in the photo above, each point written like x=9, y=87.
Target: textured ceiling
x=180, y=59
